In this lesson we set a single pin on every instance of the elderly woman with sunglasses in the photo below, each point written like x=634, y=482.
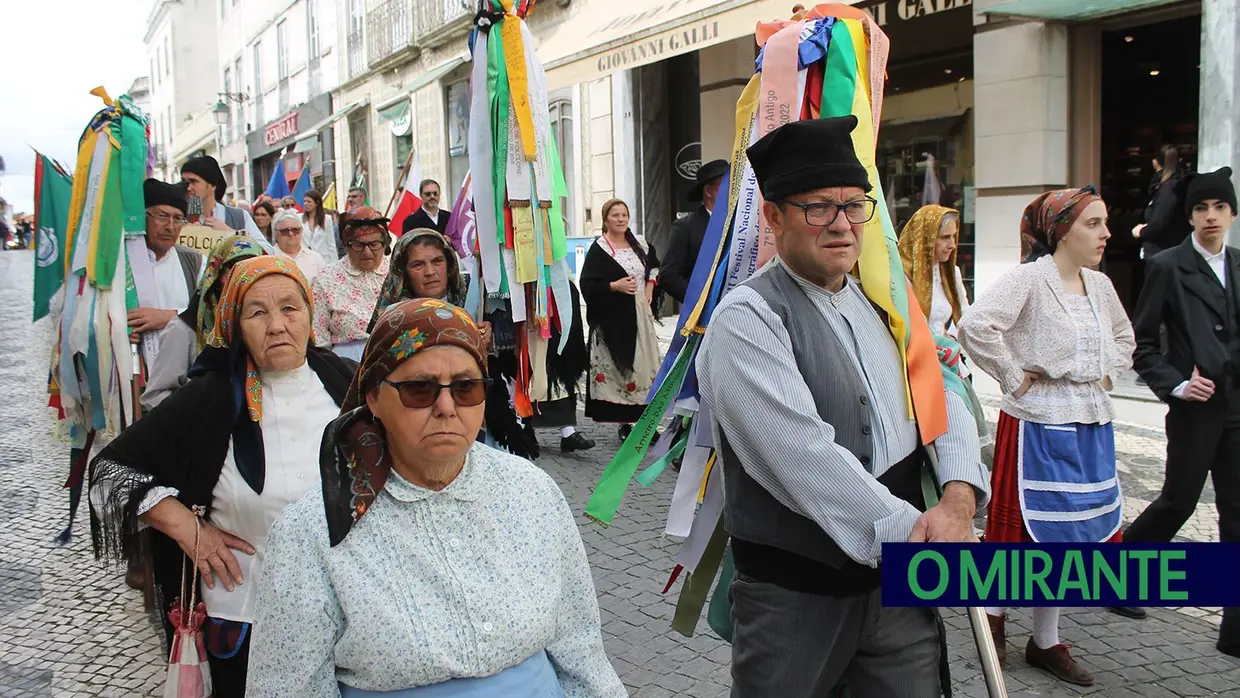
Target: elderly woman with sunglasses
x=288, y=230
x=443, y=567
x=241, y=440
x=346, y=291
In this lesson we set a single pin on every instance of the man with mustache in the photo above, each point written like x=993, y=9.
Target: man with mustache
x=806, y=391
x=1193, y=290
x=176, y=274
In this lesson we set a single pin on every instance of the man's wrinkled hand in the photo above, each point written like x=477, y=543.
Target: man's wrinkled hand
x=149, y=319
x=949, y=521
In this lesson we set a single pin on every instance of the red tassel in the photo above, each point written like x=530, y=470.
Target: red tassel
x=672, y=580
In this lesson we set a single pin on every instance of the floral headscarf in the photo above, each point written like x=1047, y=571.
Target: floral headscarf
x=226, y=352
x=396, y=286
x=224, y=255
x=357, y=221
x=917, y=243
x=1049, y=217
x=355, y=460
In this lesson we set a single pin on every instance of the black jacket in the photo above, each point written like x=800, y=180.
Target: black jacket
x=682, y=253
x=1183, y=293
x=420, y=219
x=1166, y=222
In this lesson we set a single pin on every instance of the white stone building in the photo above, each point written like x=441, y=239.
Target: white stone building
x=181, y=50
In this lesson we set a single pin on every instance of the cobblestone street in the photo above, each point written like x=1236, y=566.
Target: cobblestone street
x=70, y=627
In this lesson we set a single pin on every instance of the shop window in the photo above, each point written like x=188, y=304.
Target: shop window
x=562, y=117
x=458, y=135
x=359, y=140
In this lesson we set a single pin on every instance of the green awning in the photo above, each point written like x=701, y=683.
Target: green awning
x=306, y=139
x=395, y=112
x=437, y=72
x=1070, y=10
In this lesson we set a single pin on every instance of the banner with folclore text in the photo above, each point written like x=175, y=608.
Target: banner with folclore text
x=202, y=238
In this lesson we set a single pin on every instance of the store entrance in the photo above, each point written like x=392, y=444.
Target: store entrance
x=1150, y=78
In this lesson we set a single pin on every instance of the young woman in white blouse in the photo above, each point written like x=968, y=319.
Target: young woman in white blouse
x=443, y=567
x=928, y=248
x=320, y=227
x=240, y=439
x=290, y=239
x=1053, y=333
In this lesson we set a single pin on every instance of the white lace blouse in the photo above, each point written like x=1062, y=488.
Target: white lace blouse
x=941, y=308
x=430, y=586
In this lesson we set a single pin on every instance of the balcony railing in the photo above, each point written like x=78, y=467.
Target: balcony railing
x=357, y=55
x=441, y=21
x=389, y=29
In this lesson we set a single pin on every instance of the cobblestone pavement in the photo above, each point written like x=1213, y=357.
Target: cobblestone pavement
x=70, y=627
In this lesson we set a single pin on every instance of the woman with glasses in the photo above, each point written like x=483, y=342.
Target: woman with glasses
x=618, y=282
x=346, y=291
x=442, y=564
x=1054, y=334
x=289, y=231
x=237, y=443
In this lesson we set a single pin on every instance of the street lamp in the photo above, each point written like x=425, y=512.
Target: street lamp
x=221, y=112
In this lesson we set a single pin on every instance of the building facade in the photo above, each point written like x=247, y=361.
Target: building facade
x=181, y=50
x=277, y=69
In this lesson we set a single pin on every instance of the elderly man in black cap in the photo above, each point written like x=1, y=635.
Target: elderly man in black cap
x=687, y=232
x=822, y=465
x=176, y=267
x=205, y=180
x=1193, y=290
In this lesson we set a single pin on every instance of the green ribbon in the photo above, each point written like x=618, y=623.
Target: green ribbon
x=697, y=586
x=615, y=479
x=111, y=217
x=133, y=168
x=500, y=103
x=649, y=475
x=559, y=197
x=839, y=80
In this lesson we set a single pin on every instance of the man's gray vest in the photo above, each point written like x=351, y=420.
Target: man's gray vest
x=234, y=218
x=751, y=513
x=191, y=262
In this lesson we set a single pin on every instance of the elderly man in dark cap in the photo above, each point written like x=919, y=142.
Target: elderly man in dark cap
x=205, y=180
x=687, y=232
x=822, y=464
x=1193, y=290
x=176, y=267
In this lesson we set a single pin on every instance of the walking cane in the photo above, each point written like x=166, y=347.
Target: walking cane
x=992, y=672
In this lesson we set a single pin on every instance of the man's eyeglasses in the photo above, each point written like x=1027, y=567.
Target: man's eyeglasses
x=165, y=218
x=373, y=246
x=417, y=395
x=825, y=213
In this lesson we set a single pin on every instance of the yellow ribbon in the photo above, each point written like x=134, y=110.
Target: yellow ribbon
x=518, y=81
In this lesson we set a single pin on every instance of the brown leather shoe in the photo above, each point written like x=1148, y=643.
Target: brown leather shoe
x=1058, y=662
x=999, y=635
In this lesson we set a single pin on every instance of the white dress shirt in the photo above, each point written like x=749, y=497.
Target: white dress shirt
x=1218, y=264
x=309, y=261
x=170, y=287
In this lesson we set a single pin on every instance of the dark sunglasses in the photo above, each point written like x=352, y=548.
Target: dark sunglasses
x=422, y=394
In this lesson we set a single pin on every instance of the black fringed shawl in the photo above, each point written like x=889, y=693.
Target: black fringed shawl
x=182, y=444
x=613, y=315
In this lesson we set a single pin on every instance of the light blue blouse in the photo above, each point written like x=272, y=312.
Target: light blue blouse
x=430, y=586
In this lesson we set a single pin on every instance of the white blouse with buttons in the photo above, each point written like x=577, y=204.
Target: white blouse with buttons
x=296, y=409
x=431, y=586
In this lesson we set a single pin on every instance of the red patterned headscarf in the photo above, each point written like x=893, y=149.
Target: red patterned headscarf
x=1049, y=217
x=356, y=460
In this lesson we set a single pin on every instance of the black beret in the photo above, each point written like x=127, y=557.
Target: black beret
x=207, y=168
x=806, y=155
x=157, y=193
x=1210, y=185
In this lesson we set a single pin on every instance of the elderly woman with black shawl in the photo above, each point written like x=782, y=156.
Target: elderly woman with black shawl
x=425, y=265
x=428, y=560
x=239, y=442
x=618, y=280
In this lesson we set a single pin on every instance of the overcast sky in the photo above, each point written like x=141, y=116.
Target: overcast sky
x=54, y=53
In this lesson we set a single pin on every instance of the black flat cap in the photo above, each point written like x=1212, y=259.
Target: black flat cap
x=157, y=193
x=806, y=155
x=706, y=173
x=207, y=168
